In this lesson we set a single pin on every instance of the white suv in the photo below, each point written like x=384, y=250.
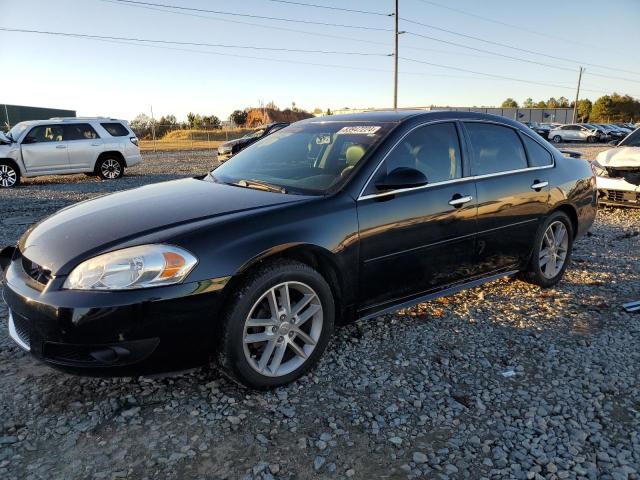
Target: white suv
x=99, y=146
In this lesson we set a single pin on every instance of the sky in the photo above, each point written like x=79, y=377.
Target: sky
x=121, y=79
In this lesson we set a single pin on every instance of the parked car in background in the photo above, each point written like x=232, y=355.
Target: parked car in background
x=330, y=220
x=98, y=146
x=230, y=148
x=573, y=133
x=618, y=173
x=612, y=132
x=601, y=133
x=539, y=128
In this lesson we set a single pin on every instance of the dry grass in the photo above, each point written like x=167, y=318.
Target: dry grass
x=191, y=140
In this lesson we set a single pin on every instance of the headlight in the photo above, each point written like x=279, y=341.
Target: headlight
x=225, y=149
x=598, y=169
x=136, y=267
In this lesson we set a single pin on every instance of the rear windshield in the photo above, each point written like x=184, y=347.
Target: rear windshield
x=115, y=129
x=306, y=158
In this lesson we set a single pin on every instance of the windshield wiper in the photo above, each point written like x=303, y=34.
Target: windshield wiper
x=260, y=185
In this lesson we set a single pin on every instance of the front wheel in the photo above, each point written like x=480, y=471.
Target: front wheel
x=277, y=326
x=557, y=139
x=551, y=252
x=9, y=175
x=110, y=168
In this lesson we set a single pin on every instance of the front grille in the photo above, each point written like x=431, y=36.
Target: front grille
x=21, y=330
x=622, y=196
x=615, y=196
x=38, y=273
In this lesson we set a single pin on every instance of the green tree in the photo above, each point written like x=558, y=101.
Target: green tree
x=509, y=103
x=528, y=103
x=541, y=104
x=239, y=117
x=615, y=108
x=563, y=102
x=584, y=109
x=553, y=103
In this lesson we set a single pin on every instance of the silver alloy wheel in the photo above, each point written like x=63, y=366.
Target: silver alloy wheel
x=553, y=249
x=8, y=176
x=282, y=329
x=110, y=168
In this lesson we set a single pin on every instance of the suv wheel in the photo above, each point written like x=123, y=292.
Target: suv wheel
x=277, y=326
x=9, y=175
x=557, y=139
x=551, y=252
x=110, y=168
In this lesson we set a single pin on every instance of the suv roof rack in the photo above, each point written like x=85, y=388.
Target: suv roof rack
x=71, y=119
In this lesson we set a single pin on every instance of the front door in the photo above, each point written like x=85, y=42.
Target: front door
x=416, y=240
x=84, y=145
x=44, y=149
x=513, y=193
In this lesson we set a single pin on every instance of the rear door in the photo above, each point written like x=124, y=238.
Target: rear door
x=44, y=149
x=84, y=145
x=512, y=191
x=417, y=239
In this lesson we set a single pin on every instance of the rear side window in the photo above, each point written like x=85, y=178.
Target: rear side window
x=115, y=129
x=494, y=149
x=538, y=155
x=79, y=131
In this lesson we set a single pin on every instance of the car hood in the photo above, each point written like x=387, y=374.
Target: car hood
x=91, y=227
x=622, y=157
x=4, y=139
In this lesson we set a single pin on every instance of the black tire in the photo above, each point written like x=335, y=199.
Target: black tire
x=534, y=271
x=557, y=139
x=231, y=348
x=109, y=168
x=9, y=174
x=592, y=139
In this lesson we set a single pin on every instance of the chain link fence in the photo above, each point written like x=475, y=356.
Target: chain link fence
x=158, y=138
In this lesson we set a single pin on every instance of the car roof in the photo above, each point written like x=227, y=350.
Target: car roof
x=60, y=120
x=399, y=116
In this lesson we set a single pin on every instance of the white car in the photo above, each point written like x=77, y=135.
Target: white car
x=618, y=173
x=573, y=133
x=100, y=146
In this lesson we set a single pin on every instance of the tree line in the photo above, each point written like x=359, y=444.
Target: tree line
x=606, y=109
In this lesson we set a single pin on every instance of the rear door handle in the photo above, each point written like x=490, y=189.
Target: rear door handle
x=96, y=144
x=457, y=200
x=61, y=146
x=537, y=185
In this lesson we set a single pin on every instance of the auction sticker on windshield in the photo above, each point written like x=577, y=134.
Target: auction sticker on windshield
x=358, y=130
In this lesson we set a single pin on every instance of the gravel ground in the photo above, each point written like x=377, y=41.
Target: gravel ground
x=502, y=381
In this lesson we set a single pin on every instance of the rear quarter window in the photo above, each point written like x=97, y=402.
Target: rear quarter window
x=115, y=129
x=538, y=155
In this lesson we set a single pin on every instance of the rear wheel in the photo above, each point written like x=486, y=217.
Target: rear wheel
x=551, y=252
x=557, y=139
x=110, y=168
x=9, y=175
x=277, y=326
x=592, y=139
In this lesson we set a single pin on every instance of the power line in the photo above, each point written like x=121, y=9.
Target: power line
x=247, y=15
x=198, y=44
x=504, y=45
x=520, y=28
x=327, y=7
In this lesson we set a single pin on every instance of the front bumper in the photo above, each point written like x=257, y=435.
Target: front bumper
x=617, y=192
x=119, y=333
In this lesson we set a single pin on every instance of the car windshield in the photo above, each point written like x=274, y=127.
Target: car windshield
x=17, y=130
x=255, y=134
x=307, y=158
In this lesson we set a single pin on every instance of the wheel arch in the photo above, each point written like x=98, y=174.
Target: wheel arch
x=110, y=154
x=571, y=212
x=316, y=257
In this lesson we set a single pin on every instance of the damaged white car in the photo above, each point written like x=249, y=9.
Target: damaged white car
x=618, y=173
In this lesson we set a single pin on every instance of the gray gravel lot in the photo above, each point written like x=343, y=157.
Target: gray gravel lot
x=502, y=381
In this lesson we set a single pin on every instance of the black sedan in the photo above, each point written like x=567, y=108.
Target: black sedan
x=333, y=219
x=230, y=148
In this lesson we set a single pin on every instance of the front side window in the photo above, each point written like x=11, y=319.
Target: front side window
x=79, y=131
x=538, y=155
x=306, y=158
x=494, y=149
x=434, y=150
x=45, y=133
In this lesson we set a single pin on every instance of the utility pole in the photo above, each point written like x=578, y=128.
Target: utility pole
x=395, y=61
x=575, y=105
x=153, y=129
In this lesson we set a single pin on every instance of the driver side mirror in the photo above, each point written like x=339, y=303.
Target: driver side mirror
x=402, y=177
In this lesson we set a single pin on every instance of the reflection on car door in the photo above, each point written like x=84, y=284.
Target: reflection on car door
x=513, y=194
x=416, y=240
x=84, y=145
x=44, y=149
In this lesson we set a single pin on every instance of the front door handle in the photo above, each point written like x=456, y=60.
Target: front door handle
x=61, y=146
x=458, y=201
x=538, y=185
x=96, y=144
